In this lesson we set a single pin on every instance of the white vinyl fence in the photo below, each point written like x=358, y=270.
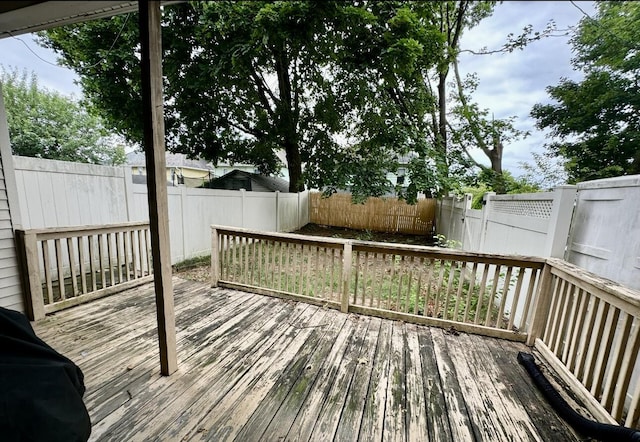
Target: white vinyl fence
x=63, y=194
x=525, y=224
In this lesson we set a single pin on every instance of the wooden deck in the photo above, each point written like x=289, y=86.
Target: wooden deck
x=254, y=368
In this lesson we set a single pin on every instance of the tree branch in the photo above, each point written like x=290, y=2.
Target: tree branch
x=466, y=152
x=473, y=125
x=263, y=90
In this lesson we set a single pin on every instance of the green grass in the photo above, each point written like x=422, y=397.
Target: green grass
x=193, y=262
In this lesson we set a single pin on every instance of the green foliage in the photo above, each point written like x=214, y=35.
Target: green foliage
x=46, y=124
x=595, y=121
x=484, y=183
x=347, y=88
x=546, y=171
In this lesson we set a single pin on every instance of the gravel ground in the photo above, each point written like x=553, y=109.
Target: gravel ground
x=199, y=273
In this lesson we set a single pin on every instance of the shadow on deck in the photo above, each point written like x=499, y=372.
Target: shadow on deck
x=258, y=368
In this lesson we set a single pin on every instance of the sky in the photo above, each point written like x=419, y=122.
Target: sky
x=510, y=84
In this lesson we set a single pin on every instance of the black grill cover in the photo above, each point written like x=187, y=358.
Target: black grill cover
x=40, y=390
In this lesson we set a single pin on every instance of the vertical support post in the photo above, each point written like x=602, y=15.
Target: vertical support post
x=486, y=209
x=564, y=198
x=153, y=142
x=28, y=254
x=541, y=306
x=215, y=257
x=346, y=276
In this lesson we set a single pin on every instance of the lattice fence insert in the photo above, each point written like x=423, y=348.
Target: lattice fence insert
x=531, y=208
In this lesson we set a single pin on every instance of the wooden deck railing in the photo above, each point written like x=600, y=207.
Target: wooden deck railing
x=69, y=266
x=486, y=294
x=588, y=329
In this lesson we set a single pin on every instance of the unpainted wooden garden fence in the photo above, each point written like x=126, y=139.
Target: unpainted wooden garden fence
x=377, y=214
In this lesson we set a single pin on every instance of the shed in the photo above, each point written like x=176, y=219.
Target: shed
x=239, y=179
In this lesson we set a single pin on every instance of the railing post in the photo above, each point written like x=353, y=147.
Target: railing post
x=346, y=276
x=28, y=251
x=541, y=306
x=215, y=258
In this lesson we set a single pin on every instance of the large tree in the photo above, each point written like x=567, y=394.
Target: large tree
x=243, y=79
x=596, y=121
x=46, y=124
x=348, y=88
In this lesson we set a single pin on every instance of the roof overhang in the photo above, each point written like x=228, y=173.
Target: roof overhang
x=22, y=17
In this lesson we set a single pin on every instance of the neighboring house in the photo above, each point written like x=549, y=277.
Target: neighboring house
x=180, y=169
x=224, y=167
x=239, y=179
x=400, y=177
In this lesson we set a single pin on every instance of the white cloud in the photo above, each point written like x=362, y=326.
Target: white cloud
x=511, y=83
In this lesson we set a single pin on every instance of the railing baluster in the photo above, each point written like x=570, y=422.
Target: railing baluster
x=72, y=266
x=556, y=305
x=572, y=326
x=529, y=298
x=110, y=258
x=503, y=298
x=483, y=286
x=126, y=274
x=516, y=298
x=401, y=271
x=380, y=265
x=60, y=267
x=427, y=295
x=119, y=255
x=407, y=306
x=143, y=254
x=461, y=280
x=472, y=281
x=436, y=303
x=634, y=408
x=452, y=275
x=556, y=343
x=47, y=272
x=613, y=372
x=83, y=264
x=578, y=331
x=147, y=239
x=492, y=295
x=627, y=365
x=605, y=351
x=365, y=277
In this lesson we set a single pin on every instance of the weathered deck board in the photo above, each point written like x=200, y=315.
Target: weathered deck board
x=255, y=368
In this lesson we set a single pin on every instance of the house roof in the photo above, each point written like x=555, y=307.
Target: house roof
x=268, y=182
x=172, y=159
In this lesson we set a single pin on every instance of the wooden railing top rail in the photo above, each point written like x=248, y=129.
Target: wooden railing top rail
x=407, y=249
x=616, y=294
x=63, y=232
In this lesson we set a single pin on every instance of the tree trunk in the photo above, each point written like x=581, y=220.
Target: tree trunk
x=294, y=162
x=496, y=166
x=442, y=114
x=287, y=121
